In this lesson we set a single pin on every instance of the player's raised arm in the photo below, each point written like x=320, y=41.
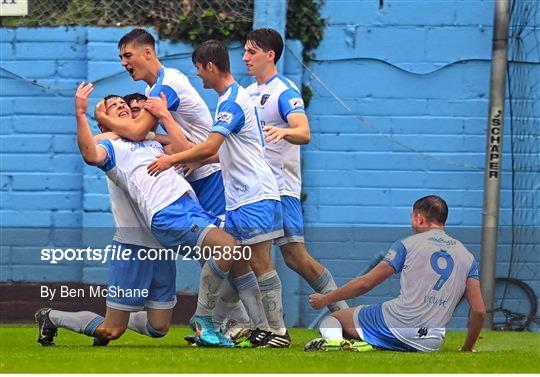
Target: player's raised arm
x=133, y=129
x=355, y=287
x=476, y=314
x=91, y=154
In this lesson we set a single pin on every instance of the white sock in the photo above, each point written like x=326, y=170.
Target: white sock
x=251, y=297
x=330, y=328
x=270, y=286
x=81, y=322
x=227, y=300
x=210, y=282
x=325, y=283
x=239, y=313
x=138, y=322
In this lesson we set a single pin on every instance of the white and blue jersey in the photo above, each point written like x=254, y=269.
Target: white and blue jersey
x=131, y=228
x=126, y=166
x=434, y=270
x=276, y=99
x=187, y=108
x=246, y=175
x=167, y=205
x=167, y=202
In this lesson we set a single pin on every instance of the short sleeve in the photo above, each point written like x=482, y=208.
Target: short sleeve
x=290, y=101
x=473, y=271
x=230, y=118
x=110, y=162
x=173, y=101
x=395, y=256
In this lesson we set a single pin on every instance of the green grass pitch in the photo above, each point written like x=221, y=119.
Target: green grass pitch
x=133, y=353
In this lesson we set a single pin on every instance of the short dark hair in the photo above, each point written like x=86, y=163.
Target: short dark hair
x=433, y=207
x=108, y=97
x=134, y=97
x=267, y=39
x=105, y=99
x=212, y=51
x=139, y=37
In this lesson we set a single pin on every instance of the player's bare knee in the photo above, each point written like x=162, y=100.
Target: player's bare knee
x=260, y=264
x=292, y=261
x=111, y=333
x=160, y=330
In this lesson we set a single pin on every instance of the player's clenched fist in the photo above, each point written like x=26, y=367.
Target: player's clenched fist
x=317, y=301
x=163, y=163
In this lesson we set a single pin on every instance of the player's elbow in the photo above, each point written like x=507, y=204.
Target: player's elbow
x=307, y=138
x=479, y=313
x=137, y=135
x=210, y=150
x=90, y=159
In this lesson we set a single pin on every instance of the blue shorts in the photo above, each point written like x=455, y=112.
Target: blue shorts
x=255, y=222
x=371, y=327
x=211, y=193
x=293, y=221
x=183, y=223
x=158, y=277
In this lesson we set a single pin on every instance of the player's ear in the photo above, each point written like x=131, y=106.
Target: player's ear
x=271, y=55
x=148, y=52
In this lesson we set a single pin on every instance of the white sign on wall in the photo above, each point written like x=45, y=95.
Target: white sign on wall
x=13, y=7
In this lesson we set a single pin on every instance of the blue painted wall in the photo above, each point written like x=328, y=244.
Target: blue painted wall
x=399, y=111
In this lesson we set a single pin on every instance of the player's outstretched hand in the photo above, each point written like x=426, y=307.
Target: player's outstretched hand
x=317, y=300
x=274, y=134
x=157, y=106
x=81, y=98
x=163, y=163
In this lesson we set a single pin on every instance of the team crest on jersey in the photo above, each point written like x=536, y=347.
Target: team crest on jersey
x=296, y=103
x=224, y=117
x=264, y=98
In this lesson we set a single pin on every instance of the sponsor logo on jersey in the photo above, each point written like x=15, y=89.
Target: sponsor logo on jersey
x=264, y=98
x=391, y=255
x=224, y=117
x=442, y=240
x=296, y=103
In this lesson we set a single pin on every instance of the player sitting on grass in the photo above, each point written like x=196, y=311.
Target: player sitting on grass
x=436, y=271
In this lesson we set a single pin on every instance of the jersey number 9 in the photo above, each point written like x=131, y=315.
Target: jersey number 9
x=444, y=273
